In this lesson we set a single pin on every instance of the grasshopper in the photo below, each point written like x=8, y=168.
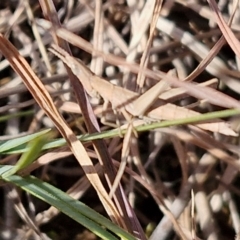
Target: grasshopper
x=135, y=104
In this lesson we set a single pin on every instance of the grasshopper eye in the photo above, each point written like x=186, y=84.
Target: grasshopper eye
x=74, y=68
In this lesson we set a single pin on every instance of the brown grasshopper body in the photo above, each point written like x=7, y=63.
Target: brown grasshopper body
x=121, y=98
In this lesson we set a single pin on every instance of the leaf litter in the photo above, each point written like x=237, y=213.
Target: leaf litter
x=134, y=44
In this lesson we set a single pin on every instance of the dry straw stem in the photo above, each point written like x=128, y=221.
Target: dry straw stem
x=207, y=55
x=225, y=29
x=126, y=217
x=152, y=29
x=44, y=100
x=212, y=96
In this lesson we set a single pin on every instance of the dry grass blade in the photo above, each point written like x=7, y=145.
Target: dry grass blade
x=124, y=158
x=19, y=207
x=38, y=37
x=44, y=100
x=226, y=30
x=97, y=63
x=145, y=55
x=178, y=205
x=212, y=53
x=128, y=218
x=142, y=62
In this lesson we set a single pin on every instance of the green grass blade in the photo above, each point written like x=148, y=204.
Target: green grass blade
x=69, y=206
x=6, y=146
x=16, y=115
x=115, y=132
x=35, y=148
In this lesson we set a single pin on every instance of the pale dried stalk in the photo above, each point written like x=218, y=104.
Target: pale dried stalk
x=35, y=86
